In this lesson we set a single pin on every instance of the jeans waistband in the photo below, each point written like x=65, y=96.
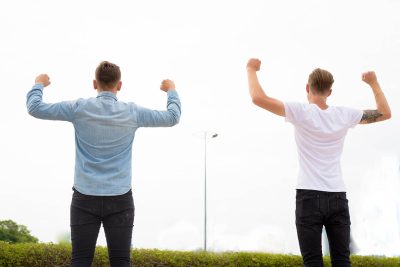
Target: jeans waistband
x=307, y=192
x=79, y=193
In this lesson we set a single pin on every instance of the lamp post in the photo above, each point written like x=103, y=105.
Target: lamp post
x=206, y=136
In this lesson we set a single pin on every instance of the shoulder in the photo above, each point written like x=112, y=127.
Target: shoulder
x=81, y=101
x=76, y=104
x=297, y=106
x=347, y=110
x=296, y=112
x=131, y=106
x=350, y=116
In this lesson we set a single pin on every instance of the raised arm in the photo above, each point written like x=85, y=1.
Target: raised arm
x=382, y=111
x=165, y=118
x=257, y=94
x=37, y=108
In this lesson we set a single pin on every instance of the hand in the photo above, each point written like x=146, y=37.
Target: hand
x=167, y=85
x=253, y=64
x=43, y=79
x=369, y=77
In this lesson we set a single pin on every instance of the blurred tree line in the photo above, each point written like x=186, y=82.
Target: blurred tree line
x=12, y=232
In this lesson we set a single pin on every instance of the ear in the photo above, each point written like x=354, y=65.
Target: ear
x=308, y=88
x=95, y=84
x=119, y=85
x=329, y=93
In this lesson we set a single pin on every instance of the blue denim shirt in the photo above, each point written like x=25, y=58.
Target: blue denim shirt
x=104, y=133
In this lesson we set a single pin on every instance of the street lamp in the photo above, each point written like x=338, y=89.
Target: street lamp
x=206, y=136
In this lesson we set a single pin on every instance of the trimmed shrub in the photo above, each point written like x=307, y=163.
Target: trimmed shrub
x=35, y=255
x=59, y=255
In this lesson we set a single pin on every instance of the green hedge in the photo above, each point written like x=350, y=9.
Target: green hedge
x=42, y=255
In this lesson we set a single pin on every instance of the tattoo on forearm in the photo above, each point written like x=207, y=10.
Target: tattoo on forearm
x=370, y=116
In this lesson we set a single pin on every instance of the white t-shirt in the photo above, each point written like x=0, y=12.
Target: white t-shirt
x=320, y=137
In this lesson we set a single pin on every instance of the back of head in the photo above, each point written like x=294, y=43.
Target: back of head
x=107, y=75
x=320, y=81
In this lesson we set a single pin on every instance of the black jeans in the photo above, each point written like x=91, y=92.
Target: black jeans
x=87, y=213
x=315, y=209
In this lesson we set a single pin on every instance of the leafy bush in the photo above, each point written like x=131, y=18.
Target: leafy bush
x=42, y=255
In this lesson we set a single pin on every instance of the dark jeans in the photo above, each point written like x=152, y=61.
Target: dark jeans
x=87, y=213
x=315, y=209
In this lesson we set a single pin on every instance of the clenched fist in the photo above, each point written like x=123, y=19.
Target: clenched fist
x=43, y=79
x=167, y=85
x=369, y=77
x=254, y=64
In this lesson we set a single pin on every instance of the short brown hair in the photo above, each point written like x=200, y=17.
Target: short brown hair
x=107, y=74
x=320, y=81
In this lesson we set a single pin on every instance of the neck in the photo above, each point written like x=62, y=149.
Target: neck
x=114, y=91
x=318, y=100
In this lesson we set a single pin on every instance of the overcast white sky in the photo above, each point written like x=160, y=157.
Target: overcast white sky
x=203, y=46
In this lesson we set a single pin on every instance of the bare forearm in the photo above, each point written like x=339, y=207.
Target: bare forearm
x=255, y=89
x=381, y=103
x=382, y=111
x=257, y=94
x=259, y=97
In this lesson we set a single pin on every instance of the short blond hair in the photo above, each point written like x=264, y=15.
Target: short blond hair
x=320, y=81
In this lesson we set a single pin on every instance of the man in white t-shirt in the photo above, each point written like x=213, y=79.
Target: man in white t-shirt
x=320, y=131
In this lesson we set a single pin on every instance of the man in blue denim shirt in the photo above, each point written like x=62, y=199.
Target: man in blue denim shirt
x=104, y=132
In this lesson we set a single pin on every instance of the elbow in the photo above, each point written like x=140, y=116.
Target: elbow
x=259, y=101
x=34, y=114
x=386, y=116
x=256, y=100
x=31, y=110
x=174, y=115
x=175, y=118
x=32, y=106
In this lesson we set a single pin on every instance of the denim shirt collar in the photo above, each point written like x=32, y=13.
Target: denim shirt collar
x=107, y=94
